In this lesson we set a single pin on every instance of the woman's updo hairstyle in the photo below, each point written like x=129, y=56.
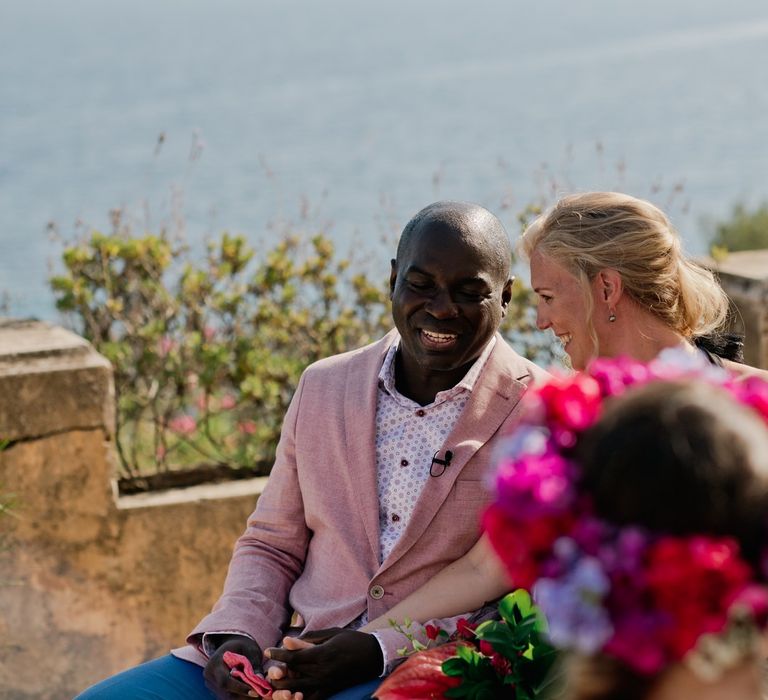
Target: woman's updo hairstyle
x=589, y=232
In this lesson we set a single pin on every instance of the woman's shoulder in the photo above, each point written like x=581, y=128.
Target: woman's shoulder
x=744, y=371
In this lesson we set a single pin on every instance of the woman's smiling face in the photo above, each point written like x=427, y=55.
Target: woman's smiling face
x=562, y=307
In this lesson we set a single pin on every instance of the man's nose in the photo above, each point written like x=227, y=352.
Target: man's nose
x=442, y=306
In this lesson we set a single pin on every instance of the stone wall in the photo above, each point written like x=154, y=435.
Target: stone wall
x=91, y=583
x=744, y=276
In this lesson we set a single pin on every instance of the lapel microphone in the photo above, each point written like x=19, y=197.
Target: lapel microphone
x=442, y=464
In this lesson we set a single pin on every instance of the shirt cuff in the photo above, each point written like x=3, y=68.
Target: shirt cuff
x=209, y=643
x=385, y=666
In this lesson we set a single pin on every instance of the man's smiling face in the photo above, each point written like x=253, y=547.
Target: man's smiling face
x=449, y=293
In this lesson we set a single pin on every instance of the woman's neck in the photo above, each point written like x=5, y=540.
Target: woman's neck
x=640, y=335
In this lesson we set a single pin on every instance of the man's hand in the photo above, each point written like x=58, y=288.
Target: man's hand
x=216, y=672
x=340, y=658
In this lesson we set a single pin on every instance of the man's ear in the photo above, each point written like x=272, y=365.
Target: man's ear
x=609, y=286
x=392, y=277
x=506, y=296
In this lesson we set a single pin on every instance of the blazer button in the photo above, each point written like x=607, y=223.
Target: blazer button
x=377, y=592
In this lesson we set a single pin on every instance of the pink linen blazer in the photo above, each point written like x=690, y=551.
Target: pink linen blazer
x=312, y=544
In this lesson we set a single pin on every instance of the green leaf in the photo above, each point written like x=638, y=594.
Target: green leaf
x=454, y=666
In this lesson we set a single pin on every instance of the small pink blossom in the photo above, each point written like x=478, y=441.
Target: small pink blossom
x=247, y=427
x=166, y=345
x=228, y=401
x=184, y=425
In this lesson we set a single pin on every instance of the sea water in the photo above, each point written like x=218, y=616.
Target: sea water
x=258, y=116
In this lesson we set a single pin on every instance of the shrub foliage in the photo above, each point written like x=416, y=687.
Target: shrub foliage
x=745, y=230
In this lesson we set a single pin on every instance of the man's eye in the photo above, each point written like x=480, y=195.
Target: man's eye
x=419, y=285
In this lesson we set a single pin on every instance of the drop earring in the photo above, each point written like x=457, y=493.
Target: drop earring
x=611, y=316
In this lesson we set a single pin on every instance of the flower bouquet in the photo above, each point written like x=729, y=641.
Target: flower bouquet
x=506, y=658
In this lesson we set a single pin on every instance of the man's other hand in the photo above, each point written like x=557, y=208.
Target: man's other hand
x=216, y=672
x=340, y=658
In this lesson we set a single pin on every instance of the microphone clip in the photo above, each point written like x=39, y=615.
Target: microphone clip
x=438, y=466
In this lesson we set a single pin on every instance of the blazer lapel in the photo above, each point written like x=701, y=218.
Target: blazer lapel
x=494, y=396
x=360, y=435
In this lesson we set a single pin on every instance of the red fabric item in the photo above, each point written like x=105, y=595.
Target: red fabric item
x=240, y=667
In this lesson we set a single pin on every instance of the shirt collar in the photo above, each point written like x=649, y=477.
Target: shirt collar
x=387, y=372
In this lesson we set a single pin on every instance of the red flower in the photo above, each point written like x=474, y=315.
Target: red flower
x=693, y=581
x=572, y=403
x=432, y=632
x=501, y=664
x=464, y=629
x=486, y=648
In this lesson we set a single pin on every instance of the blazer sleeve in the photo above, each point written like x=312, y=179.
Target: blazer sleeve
x=269, y=556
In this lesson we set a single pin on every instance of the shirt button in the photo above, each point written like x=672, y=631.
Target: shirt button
x=395, y=518
x=420, y=412
x=403, y=462
x=376, y=592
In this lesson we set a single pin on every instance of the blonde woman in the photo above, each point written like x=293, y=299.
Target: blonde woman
x=612, y=280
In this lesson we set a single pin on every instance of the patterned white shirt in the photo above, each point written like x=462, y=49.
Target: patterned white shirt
x=407, y=437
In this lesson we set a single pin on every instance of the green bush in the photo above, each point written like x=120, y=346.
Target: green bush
x=745, y=230
x=207, y=350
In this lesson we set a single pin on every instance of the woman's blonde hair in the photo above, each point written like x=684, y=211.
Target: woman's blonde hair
x=589, y=232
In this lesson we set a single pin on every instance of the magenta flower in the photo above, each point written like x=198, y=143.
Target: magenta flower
x=534, y=484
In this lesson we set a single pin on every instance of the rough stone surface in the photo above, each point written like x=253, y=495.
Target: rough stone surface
x=51, y=380
x=91, y=583
x=744, y=276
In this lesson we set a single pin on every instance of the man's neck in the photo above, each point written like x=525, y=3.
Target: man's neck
x=422, y=387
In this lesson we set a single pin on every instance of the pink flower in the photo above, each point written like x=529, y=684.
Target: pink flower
x=184, y=425
x=754, y=392
x=754, y=598
x=573, y=403
x=160, y=452
x=228, y=401
x=247, y=427
x=166, y=345
x=209, y=332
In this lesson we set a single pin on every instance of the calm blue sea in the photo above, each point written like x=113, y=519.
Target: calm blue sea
x=351, y=115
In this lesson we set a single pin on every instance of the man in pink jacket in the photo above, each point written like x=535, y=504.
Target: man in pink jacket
x=378, y=479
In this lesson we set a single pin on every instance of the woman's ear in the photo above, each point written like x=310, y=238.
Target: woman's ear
x=610, y=286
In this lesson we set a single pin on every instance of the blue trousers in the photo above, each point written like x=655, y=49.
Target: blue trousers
x=169, y=678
